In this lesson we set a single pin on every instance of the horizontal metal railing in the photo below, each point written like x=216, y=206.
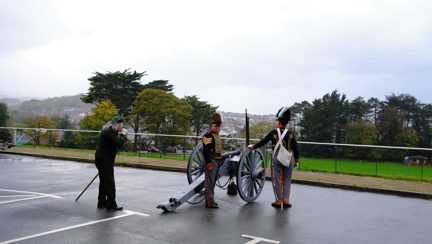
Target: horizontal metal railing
x=331, y=157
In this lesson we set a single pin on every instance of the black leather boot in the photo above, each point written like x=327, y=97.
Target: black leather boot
x=101, y=205
x=232, y=189
x=114, y=208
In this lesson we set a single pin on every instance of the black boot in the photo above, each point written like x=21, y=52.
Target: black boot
x=101, y=205
x=114, y=208
x=232, y=189
x=210, y=203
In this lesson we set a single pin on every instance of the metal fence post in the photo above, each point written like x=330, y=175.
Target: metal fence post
x=50, y=139
x=335, y=159
x=160, y=146
x=81, y=141
x=65, y=140
x=138, y=145
x=14, y=139
x=422, y=163
x=184, y=149
x=34, y=139
x=299, y=147
x=376, y=162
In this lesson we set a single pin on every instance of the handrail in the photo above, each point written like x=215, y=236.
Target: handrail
x=232, y=138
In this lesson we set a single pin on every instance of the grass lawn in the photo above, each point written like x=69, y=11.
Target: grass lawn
x=381, y=169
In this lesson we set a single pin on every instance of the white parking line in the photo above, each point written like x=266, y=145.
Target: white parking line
x=5, y=196
x=30, y=192
x=137, y=213
x=26, y=195
x=23, y=199
x=256, y=239
x=128, y=213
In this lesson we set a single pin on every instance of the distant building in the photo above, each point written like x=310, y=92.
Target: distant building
x=418, y=160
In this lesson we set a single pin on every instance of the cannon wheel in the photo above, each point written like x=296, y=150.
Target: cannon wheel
x=251, y=174
x=195, y=167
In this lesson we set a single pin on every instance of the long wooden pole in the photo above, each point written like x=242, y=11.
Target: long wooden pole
x=76, y=200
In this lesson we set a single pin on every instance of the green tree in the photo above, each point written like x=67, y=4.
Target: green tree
x=326, y=119
x=407, y=106
x=201, y=114
x=399, y=114
x=4, y=116
x=297, y=111
x=261, y=129
x=41, y=122
x=160, y=85
x=363, y=133
x=358, y=110
x=375, y=108
x=161, y=112
x=135, y=119
x=99, y=116
x=422, y=124
x=390, y=125
x=69, y=139
x=119, y=87
x=408, y=138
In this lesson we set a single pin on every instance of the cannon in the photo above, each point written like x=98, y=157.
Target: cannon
x=248, y=166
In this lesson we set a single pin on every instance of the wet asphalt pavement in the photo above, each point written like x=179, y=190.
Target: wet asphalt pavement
x=37, y=205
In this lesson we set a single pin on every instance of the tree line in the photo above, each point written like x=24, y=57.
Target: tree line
x=150, y=107
x=399, y=120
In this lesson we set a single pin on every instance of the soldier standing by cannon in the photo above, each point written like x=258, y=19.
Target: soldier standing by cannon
x=212, y=151
x=206, y=165
x=281, y=171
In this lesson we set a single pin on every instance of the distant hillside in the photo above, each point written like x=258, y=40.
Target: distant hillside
x=234, y=123
x=72, y=106
x=10, y=101
x=66, y=105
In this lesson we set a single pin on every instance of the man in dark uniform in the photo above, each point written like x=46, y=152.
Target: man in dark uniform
x=281, y=175
x=212, y=150
x=111, y=138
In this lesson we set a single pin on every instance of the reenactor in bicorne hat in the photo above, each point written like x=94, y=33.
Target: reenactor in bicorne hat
x=212, y=151
x=281, y=175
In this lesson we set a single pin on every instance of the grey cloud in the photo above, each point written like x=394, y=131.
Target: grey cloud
x=25, y=24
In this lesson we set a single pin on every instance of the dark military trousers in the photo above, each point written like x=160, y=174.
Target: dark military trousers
x=281, y=179
x=210, y=182
x=107, y=191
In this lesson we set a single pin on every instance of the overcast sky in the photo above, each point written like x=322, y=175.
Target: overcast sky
x=258, y=55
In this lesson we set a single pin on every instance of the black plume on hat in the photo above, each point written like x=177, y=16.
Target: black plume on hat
x=216, y=119
x=283, y=115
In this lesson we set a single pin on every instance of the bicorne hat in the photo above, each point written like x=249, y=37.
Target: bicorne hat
x=283, y=115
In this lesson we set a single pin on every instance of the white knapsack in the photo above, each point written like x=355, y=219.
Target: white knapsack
x=284, y=156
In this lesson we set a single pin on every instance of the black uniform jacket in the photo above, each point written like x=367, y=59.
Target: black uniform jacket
x=209, y=147
x=273, y=137
x=110, y=141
